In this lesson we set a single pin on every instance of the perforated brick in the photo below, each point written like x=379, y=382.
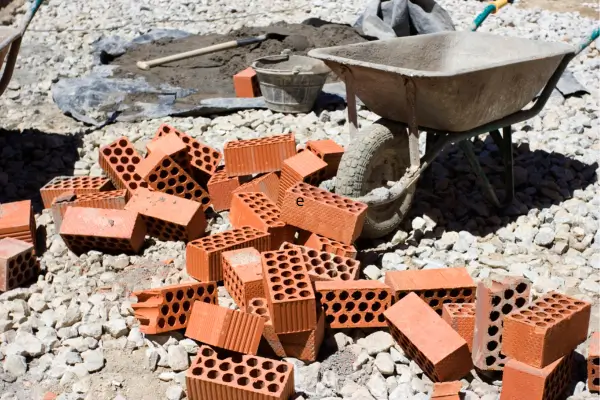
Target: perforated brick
x=75, y=184
x=113, y=199
x=17, y=221
x=303, y=167
x=305, y=345
x=265, y=183
x=428, y=340
x=434, y=286
x=549, y=328
x=354, y=304
x=111, y=231
x=446, y=390
x=328, y=151
x=322, y=243
x=323, y=266
x=168, y=308
x=171, y=145
x=461, y=317
x=18, y=263
x=259, y=306
x=521, y=381
x=495, y=300
x=203, y=256
x=289, y=292
x=324, y=213
x=217, y=374
x=255, y=156
x=168, y=217
x=225, y=328
x=593, y=363
x=242, y=275
x=220, y=189
x=256, y=210
x=119, y=160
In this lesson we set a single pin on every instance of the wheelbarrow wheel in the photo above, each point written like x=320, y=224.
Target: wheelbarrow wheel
x=378, y=155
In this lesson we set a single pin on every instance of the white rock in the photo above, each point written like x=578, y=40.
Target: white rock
x=178, y=358
x=91, y=330
x=377, y=387
x=377, y=342
x=32, y=345
x=372, y=272
x=174, y=392
x=15, y=365
x=93, y=360
x=116, y=327
x=385, y=364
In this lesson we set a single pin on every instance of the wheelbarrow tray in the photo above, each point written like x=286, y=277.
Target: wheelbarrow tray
x=462, y=80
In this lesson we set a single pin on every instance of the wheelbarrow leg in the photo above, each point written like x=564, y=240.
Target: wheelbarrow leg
x=504, y=143
x=351, y=102
x=467, y=148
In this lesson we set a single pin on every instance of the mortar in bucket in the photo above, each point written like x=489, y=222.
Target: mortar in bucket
x=289, y=83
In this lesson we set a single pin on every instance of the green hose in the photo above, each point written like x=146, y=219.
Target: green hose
x=586, y=42
x=489, y=9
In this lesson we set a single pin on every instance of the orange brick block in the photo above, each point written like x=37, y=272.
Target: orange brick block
x=168, y=217
x=328, y=151
x=303, y=167
x=220, y=189
x=256, y=210
x=18, y=263
x=17, y=221
x=258, y=306
x=266, y=183
x=593, y=363
x=354, y=304
x=225, y=328
x=550, y=328
x=289, y=291
x=119, y=160
x=171, y=145
x=75, y=184
x=246, y=84
x=305, y=346
x=168, y=308
x=220, y=375
x=495, y=300
x=461, y=317
x=446, y=390
x=255, y=156
x=203, y=256
x=424, y=336
x=323, y=266
x=113, y=199
x=242, y=275
x=521, y=381
x=111, y=231
x=319, y=211
x=322, y=243
x=434, y=286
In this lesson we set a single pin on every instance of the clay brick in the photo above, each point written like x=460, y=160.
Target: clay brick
x=242, y=275
x=246, y=84
x=75, y=184
x=114, y=199
x=255, y=156
x=593, y=363
x=435, y=286
x=256, y=210
x=120, y=160
x=324, y=213
x=18, y=263
x=258, y=306
x=548, y=329
x=164, y=175
x=17, y=221
x=168, y=217
x=495, y=300
x=203, y=159
x=220, y=189
x=203, y=256
x=168, y=308
x=111, y=231
x=322, y=243
x=461, y=317
x=328, y=151
x=323, y=266
x=424, y=336
x=521, y=381
x=171, y=145
x=446, y=390
x=289, y=291
x=266, y=183
x=217, y=374
x=354, y=304
x=303, y=167
x=305, y=346
x=225, y=328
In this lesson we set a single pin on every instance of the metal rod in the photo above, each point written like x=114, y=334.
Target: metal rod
x=351, y=102
x=467, y=148
x=507, y=156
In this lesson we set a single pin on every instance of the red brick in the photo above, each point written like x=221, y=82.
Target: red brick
x=266, y=183
x=246, y=84
x=18, y=263
x=354, y=304
x=305, y=345
x=111, y=231
x=446, y=390
x=322, y=243
x=75, y=184
x=329, y=151
x=203, y=256
x=168, y=217
x=593, y=363
x=219, y=375
x=303, y=167
x=17, y=221
x=521, y=381
x=495, y=300
x=258, y=306
x=242, y=275
x=49, y=396
x=548, y=329
x=168, y=308
x=424, y=336
x=171, y=145
x=256, y=210
x=225, y=328
x=114, y=199
x=323, y=266
x=120, y=160
x=255, y=156
x=220, y=189
x=461, y=317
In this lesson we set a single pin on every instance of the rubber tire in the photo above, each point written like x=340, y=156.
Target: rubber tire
x=357, y=164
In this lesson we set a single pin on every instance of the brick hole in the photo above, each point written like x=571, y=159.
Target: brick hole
x=164, y=310
x=493, y=330
x=492, y=345
x=507, y=308
x=301, y=285
x=329, y=318
x=182, y=319
x=175, y=307
x=494, y=315
x=171, y=320
x=304, y=293
x=521, y=287
x=240, y=369
x=343, y=318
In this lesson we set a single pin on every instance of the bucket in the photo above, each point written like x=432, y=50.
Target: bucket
x=290, y=84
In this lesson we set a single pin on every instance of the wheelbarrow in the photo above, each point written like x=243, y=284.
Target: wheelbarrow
x=10, y=44
x=451, y=85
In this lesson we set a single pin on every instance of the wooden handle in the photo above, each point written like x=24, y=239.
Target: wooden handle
x=146, y=65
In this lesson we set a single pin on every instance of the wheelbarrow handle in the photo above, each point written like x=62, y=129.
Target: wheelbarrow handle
x=491, y=8
x=587, y=41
